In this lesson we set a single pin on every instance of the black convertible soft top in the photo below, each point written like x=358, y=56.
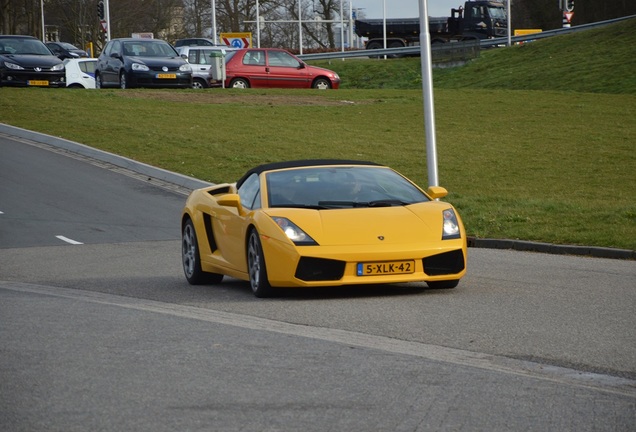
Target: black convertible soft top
x=300, y=163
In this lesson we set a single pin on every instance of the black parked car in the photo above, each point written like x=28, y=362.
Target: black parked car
x=66, y=50
x=132, y=62
x=26, y=62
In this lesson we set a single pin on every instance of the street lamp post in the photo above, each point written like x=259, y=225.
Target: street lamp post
x=427, y=90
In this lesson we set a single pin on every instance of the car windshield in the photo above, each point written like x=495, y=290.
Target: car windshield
x=149, y=48
x=340, y=187
x=23, y=46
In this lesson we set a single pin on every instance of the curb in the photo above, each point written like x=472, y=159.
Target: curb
x=104, y=156
x=193, y=183
x=550, y=248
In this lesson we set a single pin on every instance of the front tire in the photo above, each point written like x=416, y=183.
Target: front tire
x=256, y=266
x=321, y=84
x=192, y=260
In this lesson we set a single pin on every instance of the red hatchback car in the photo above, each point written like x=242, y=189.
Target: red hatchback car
x=271, y=67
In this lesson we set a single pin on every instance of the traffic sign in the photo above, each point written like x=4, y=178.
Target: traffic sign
x=237, y=40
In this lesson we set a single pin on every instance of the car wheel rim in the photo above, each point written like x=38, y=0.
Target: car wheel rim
x=322, y=85
x=197, y=85
x=188, y=250
x=254, y=262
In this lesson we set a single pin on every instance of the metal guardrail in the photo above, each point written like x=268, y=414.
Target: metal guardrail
x=484, y=43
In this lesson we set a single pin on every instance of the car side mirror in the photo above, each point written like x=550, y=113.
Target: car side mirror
x=436, y=192
x=230, y=200
x=115, y=55
x=183, y=56
x=302, y=65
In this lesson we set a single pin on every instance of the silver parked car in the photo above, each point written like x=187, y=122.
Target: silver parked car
x=203, y=59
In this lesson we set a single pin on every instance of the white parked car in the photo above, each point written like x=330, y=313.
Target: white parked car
x=80, y=72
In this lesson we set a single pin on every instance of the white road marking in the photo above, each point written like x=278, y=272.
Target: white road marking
x=495, y=363
x=68, y=240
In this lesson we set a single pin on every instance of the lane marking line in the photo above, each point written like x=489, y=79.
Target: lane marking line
x=68, y=240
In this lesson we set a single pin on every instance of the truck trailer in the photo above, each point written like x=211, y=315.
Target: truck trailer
x=477, y=19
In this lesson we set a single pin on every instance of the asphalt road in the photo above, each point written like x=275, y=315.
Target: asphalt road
x=100, y=331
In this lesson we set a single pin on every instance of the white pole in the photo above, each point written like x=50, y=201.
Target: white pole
x=509, y=24
x=427, y=89
x=384, y=24
x=350, y=36
x=341, y=28
x=42, y=13
x=213, y=5
x=300, y=28
x=258, y=25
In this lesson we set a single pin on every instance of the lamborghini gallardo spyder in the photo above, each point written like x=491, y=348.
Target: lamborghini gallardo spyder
x=322, y=223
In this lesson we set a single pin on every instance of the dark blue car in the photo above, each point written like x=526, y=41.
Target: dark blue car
x=132, y=62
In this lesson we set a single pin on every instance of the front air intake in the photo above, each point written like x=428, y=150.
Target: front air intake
x=319, y=269
x=445, y=263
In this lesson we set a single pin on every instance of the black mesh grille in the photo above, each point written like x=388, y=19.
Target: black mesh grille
x=319, y=269
x=207, y=221
x=446, y=263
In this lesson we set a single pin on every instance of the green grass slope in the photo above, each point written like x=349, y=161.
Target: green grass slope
x=597, y=61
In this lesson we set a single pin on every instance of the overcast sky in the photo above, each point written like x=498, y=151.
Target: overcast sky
x=404, y=8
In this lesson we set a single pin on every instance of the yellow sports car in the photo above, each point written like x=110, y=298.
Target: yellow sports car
x=322, y=223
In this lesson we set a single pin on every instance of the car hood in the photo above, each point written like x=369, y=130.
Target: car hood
x=364, y=226
x=31, y=61
x=157, y=61
x=319, y=71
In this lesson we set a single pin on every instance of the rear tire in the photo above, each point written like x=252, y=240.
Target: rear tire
x=239, y=83
x=192, y=260
x=256, y=266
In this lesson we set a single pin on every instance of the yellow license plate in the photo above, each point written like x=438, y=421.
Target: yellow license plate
x=38, y=83
x=169, y=76
x=385, y=268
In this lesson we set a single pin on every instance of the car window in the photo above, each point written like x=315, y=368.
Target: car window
x=87, y=67
x=281, y=58
x=112, y=47
x=254, y=57
x=250, y=192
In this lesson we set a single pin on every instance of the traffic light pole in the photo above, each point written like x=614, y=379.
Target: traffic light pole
x=107, y=12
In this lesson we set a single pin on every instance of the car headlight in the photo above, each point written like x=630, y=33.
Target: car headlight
x=58, y=67
x=13, y=66
x=295, y=234
x=185, y=68
x=140, y=67
x=450, y=229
